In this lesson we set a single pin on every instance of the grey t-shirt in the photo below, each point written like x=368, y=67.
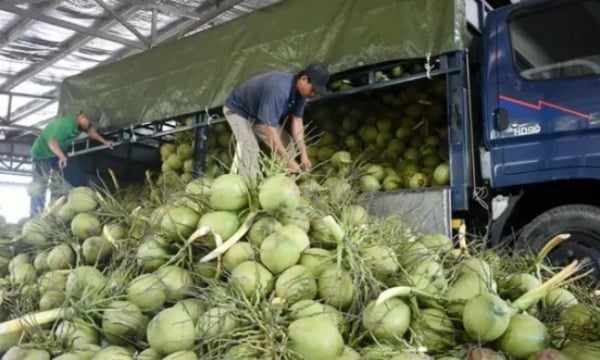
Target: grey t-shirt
x=267, y=97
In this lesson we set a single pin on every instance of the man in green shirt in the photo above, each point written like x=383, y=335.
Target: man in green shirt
x=48, y=152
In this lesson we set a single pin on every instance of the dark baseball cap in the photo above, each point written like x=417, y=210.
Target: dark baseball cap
x=319, y=77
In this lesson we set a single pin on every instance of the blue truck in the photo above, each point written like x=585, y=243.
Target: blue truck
x=523, y=112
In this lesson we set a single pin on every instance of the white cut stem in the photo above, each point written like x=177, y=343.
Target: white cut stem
x=31, y=320
x=237, y=236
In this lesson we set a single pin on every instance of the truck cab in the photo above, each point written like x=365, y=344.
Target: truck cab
x=540, y=146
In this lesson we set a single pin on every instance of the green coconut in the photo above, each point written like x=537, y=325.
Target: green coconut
x=179, y=222
x=579, y=350
x=177, y=281
x=441, y=174
x=215, y=322
x=237, y=254
x=82, y=199
x=279, y=194
x=355, y=215
x=21, y=353
x=21, y=273
x=311, y=308
x=51, y=300
x=76, y=333
x=199, y=186
x=486, y=317
x=151, y=255
x=437, y=242
x=369, y=183
x=51, y=280
x=34, y=232
x=149, y=354
x=171, y=330
x=434, y=329
x=182, y=355
x=40, y=262
x=388, y=321
x=560, y=298
x=279, y=252
x=322, y=234
x=122, y=321
x=65, y=213
x=85, y=225
x=475, y=266
x=85, y=281
x=295, y=284
x=222, y=223
x=349, y=354
x=112, y=352
x=524, y=337
x=262, y=228
x=193, y=307
x=229, y=192
x=116, y=231
x=147, y=292
x=465, y=288
x=296, y=234
x=516, y=285
x=336, y=287
x=242, y=352
x=60, y=257
x=96, y=249
x=252, y=278
x=316, y=260
x=576, y=316
x=315, y=338
x=381, y=260
x=298, y=217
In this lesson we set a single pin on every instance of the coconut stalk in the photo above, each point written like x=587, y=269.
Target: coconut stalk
x=221, y=249
x=30, y=320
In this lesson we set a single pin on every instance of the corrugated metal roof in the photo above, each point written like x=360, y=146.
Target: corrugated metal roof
x=44, y=41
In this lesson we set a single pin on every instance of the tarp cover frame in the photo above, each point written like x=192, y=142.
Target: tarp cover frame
x=196, y=73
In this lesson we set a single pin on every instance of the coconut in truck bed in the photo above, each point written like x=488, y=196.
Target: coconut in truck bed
x=397, y=136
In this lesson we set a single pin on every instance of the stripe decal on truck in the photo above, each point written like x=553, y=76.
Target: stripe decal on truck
x=542, y=103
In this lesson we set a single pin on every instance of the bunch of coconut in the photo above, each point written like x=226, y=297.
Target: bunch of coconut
x=399, y=132
x=277, y=267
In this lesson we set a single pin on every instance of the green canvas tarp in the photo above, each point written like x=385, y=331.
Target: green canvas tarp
x=197, y=72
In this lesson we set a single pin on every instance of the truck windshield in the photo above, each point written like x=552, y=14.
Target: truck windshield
x=557, y=42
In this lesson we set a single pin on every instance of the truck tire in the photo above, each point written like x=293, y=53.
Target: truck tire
x=581, y=221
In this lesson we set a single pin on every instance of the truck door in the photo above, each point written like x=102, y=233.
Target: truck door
x=547, y=119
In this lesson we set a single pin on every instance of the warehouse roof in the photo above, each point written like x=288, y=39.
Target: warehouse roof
x=44, y=41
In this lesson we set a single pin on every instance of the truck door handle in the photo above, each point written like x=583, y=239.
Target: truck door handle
x=501, y=118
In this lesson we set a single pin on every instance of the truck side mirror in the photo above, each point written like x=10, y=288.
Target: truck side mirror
x=501, y=119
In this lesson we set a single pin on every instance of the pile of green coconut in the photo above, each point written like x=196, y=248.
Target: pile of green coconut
x=282, y=266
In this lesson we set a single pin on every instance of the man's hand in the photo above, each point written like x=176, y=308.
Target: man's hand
x=293, y=165
x=306, y=164
x=109, y=144
x=62, y=162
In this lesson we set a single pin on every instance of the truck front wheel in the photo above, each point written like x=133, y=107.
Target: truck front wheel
x=581, y=221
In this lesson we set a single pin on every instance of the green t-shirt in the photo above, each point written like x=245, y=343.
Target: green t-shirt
x=64, y=130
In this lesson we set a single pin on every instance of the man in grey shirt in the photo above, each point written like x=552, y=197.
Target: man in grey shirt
x=260, y=108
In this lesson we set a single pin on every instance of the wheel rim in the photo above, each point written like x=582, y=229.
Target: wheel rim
x=579, y=246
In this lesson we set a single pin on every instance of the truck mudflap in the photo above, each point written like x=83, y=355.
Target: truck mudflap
x=425, y=210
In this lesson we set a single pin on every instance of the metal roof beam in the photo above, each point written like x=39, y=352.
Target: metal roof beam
x=68, y=25
x=122, y=21
x=219, y=7
x=76, y=42
x=174, y=10
x=32, y=96
x=22, y=25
